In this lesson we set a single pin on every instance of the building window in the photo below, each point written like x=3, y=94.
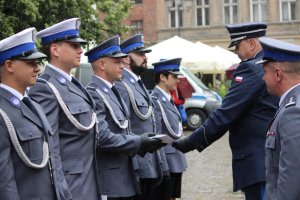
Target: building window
x=137, y=26
x=138, y=1
x=202, y=8
x=287, y=10
x=258, y=10
x=230, y=12
x=175, y=15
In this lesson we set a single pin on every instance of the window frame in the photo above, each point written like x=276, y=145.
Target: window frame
x=203, y=12
x=289, y=10
x=231, y=17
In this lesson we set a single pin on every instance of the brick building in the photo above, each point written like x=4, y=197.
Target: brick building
x=204, y=20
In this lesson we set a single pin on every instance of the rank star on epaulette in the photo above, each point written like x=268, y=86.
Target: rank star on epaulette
x=105, y=89
x=291, y=102
x=62, y=80
x=15, y=101
x=131, y=80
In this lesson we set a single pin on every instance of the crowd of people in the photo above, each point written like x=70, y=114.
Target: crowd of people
x=113, y=140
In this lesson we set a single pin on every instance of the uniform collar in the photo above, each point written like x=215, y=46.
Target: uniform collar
x=66, y=75
x=109, y=85
x=286, y=93
x=136, y=78
x=167, y=95
x=12, y=90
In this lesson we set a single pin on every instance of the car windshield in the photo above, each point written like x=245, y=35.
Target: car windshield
x=194, y=78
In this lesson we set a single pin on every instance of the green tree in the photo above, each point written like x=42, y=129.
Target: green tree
x=16, y=15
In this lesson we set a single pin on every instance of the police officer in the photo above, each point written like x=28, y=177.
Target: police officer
x=168, y=121
x=246, y=112
x=69, y=107
x=153, y=165
x=117, y=145
x=29, y=162
x=281, y=63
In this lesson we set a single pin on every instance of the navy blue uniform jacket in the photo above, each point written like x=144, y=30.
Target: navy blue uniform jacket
x=246, y=112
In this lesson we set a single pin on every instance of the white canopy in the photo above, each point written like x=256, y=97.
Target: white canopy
x=195, y=56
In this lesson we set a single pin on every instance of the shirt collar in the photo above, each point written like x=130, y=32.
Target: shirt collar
x=66, y=75
x=286, y=93
x=167, y=95
x=13, y=91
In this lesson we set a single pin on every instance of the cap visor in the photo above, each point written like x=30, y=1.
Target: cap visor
x=175, y=72
x=118, y=55
x=142, y=51
x=232, y=44
x=36, y=55
x=76, y=40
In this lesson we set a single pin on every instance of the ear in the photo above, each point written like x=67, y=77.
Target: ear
x=126, y=60
x=9, y=66
x=278, y=74
x=54, y=49
x=162, y=77
x=101, y=63
x=252, y=44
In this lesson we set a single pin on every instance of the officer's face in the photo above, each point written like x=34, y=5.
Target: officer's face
x=112, y=69
x=242, y=49
x=25, y=73
x=138, y=62
x=171, y=81
x=68, y=54
x=271, y=77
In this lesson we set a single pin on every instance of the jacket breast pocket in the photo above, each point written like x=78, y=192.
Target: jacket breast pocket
x=242, y=153
x=81, y=112
x=31, y=141
x=73, y=170
x=141, y=102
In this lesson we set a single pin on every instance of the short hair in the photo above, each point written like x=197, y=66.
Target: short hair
x=157, y=76
x=46, y=50
x=291, y=67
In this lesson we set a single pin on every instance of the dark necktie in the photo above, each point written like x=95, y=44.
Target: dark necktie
x=142, y=85
x=28, y=103
x=77, y=84
x=172, y=102
x=116, y=92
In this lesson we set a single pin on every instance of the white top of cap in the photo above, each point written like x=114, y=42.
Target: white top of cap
x=69, y=24
x=25, y=36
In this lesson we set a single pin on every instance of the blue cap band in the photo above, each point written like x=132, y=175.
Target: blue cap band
x=97, y=54
x=132, y=47
x=5, y=55
x=166, y=68
x=281, y=56
x=60, y=35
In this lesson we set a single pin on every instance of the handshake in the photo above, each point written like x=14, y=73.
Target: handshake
x=150, y=145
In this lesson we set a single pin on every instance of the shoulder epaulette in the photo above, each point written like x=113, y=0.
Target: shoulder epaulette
x=91, y=86
x=291, y=102
x=154, y=98
x=43, y=78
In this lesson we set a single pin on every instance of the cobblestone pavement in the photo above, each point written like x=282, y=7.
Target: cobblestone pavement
x=208, y=176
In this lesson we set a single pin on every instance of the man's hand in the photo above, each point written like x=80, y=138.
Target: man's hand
x=148, y=144
x=183, y=144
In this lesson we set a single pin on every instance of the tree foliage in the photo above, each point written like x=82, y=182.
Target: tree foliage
x=16, y=15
